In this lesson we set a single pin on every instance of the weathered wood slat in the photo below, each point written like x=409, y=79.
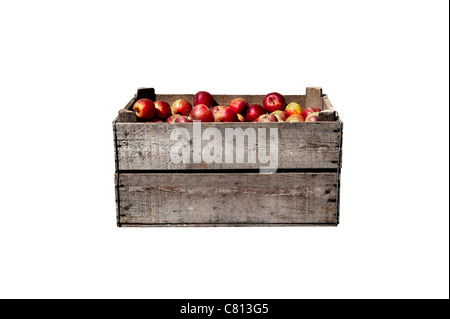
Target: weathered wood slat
x=227, y=199
x=126, y=116
x=314, y=97
x=328, y=113
x=143, y=146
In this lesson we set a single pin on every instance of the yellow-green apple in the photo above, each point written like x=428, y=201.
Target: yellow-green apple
x=144, y=109
x=313, y=117
x=238, y=105
x=203, y=97
x=254, y=112
x=217, y=108
x=295, y=118
x=310, y=110
x=226, y=115
x=273, y=102
x=172, y=118
x=241, y=118
x=293, y=108
x=184, y=119
x=267, y=118
x=202, y=113
x=182, y=107
x=281, y=115
x=163, y=110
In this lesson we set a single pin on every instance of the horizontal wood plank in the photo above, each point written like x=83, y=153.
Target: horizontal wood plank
x=227, y=199
x=147, y=146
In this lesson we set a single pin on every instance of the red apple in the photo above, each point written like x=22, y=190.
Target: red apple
x=313, y=117
x=274, y=101
x=172, y=118
x=254, y=112
x=144, y=109
x=182, y=107
x=267, y=118
x=184, y=119
x=226, y=115
x=203, y=97
x=310, y=110
x=293, y=108
x=217, y=108
x=202, y=113
x=295, y=118
x=238, y=105
x=281, y=116
x=241, y=118
x=163, y=110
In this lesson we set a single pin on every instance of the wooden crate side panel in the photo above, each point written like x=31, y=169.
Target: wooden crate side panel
x=143, y=146
x=224, y=199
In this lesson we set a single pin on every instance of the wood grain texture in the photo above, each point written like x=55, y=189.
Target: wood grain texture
x=241, y=199
x=144, y=146
x=314, y=97
x=328, y=113
x=126, y=116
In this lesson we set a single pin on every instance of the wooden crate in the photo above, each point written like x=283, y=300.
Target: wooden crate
x=152, y=190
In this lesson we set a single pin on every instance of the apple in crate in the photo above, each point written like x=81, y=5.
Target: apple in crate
x=182, y=107
x=266, y=118
x=201, y=112
x=217, y=108
x=254, y=112
x=293, y=108
x=313, y=117
x=163, y=110
x=281, y=116
x=310, y=110
x=226, y=115
x=241, y=118
x=184, y=119
x=273, y=102
x=295, y=118
x=172, y=118
x=203, y=97
x=238, y=105
x=144, y=109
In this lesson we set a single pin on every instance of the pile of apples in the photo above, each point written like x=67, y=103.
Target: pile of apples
x=274, y=109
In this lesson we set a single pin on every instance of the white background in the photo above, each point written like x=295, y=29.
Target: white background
x=66, y=69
